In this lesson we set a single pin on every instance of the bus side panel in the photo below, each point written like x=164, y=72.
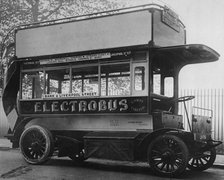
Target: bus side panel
x=96, y=123
x=128, y=29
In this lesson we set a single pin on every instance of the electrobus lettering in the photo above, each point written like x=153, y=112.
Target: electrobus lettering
x=81, y=106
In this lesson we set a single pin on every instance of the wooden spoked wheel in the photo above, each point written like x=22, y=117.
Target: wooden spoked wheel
x=36, y=144
x=202, y=160
x=168, y=155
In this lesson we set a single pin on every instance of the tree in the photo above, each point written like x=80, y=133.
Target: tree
x=17, y=12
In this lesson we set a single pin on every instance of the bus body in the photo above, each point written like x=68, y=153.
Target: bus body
x=105, y=85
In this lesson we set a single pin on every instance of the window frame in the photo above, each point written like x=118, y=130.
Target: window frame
x=98, y=64
x=132, y=62
x=162, y=84
x=84, y=66
x=21, y=82
x=145, y=91
x=116, y=63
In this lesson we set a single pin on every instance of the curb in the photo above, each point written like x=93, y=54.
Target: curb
x=5, y=143
x=220, y=166
x=4, y=148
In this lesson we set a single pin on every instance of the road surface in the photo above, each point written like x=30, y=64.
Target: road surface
x=12, y=166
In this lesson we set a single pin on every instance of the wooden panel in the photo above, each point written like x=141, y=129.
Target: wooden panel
x=96, y=122
x=110, y=149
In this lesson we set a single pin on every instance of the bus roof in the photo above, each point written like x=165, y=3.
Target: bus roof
x=126, y=27
x=158, y=5
x=185, y=54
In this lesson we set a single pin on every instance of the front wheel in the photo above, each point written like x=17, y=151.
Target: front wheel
x=168, y=155
x=36, y=144
x=202, y=160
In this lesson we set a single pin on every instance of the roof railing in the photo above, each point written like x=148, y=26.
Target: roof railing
x=93, y=15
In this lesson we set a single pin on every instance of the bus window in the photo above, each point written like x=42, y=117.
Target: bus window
x=162, y=84
x=169, y=86
x=115, y=80
x=85, y=81
x=65, y=86
x=157, y=83
x=139, y=83
x=32, y=85
x=57, y=81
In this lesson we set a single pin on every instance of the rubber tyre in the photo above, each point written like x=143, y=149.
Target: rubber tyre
x=168, y=156
x=202, y=161
x=36, y=144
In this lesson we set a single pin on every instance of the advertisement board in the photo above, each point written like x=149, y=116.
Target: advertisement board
x=119, y=30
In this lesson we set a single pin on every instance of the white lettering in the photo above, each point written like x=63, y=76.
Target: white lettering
x=45, y=108
x=82, y=106
x=123, y=103
x=108, y=105
x=92, y=106
x=54, y=106
x=37, y=107
x=112, y=105
x=62, y=106
x=73, y=103
x=102, y=105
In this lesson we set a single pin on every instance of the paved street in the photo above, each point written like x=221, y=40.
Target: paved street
x=12, y=166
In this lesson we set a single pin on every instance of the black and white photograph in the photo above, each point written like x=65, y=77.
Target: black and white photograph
x=111, y=89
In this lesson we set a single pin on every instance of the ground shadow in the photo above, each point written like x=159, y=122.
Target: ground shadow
x=125, y=167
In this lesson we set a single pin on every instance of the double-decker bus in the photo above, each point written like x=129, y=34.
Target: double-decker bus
x=105, y=85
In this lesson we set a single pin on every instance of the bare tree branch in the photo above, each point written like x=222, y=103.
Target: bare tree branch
x=28, y=4
x=52, y=11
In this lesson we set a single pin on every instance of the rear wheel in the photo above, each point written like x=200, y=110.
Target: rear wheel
x=202, y=160
x=36, y=144
x=168, y=155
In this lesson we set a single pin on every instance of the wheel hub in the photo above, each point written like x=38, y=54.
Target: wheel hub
x=35, y=145
x=168, y=157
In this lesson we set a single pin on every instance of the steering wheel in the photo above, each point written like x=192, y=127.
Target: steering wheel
x=184, y=98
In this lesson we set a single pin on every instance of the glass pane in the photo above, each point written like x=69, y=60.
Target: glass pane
x=85, y=81
x=115, y=80
x=169, y=86
x=39, y=85
x=65, y=87
x=53, y=87
x=77, y=87
x=32, y=85
x=58, y=81
x=157, y=83
x=27, y=86
x=139, y=78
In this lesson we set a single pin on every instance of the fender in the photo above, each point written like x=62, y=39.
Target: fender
x=17, y=131
x=148, y=137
